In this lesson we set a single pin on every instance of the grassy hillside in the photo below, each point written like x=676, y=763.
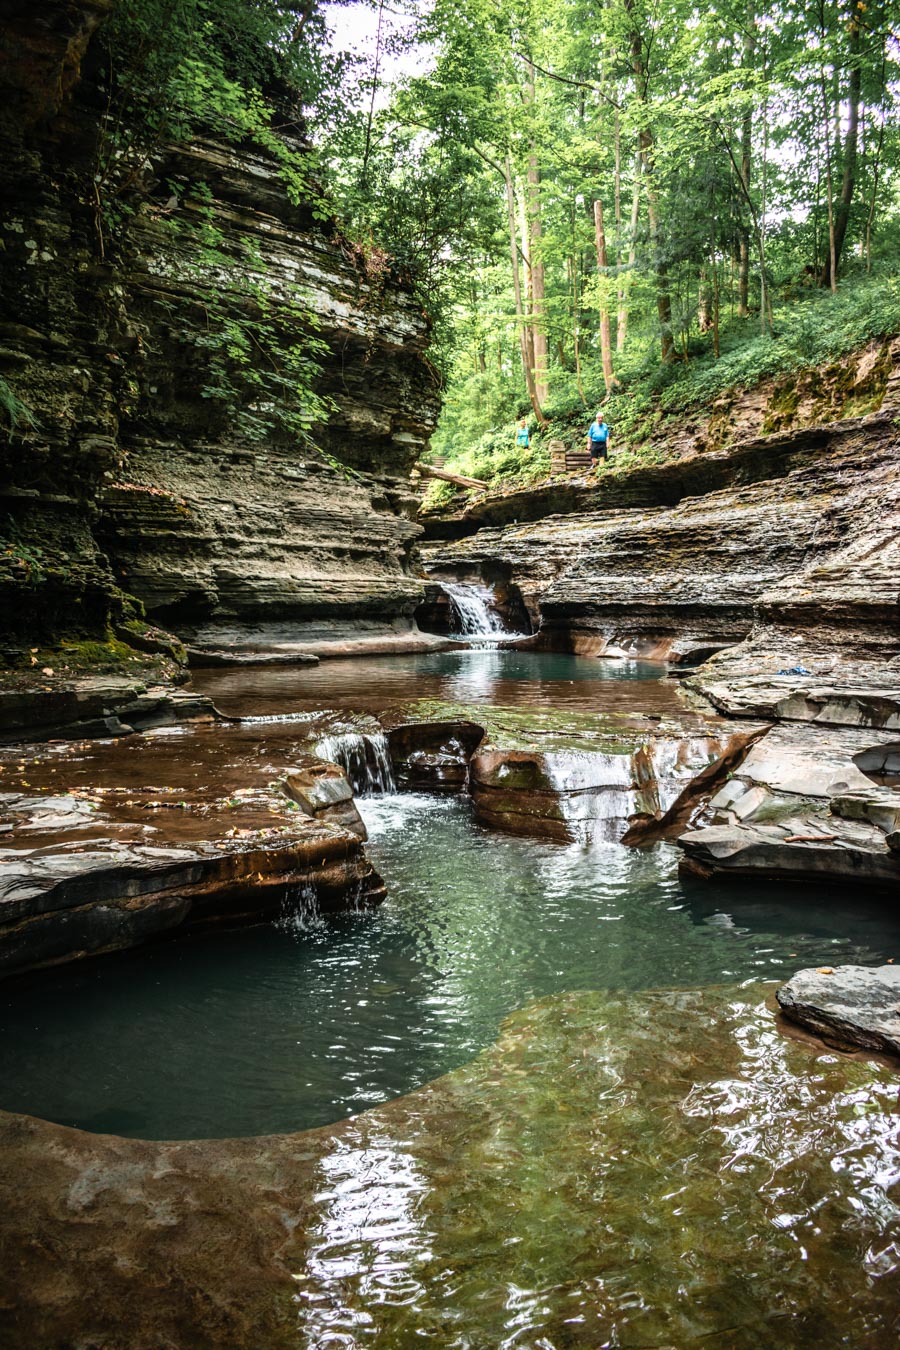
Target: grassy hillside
x=807, y=372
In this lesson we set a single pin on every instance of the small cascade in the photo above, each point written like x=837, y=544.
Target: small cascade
x=300, y=911
x=595, y=794
x=264, y=719
x=365, y=759
x=475, y=610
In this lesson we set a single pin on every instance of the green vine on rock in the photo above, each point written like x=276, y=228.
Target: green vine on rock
x=260, y=349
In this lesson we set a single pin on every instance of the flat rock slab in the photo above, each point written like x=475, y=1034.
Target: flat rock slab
x=570, y=1163
x=276, y=645
x=798, y=850
x=86, y=874
x=97, y=706
x=800, y=807
x=793, y=698
x=852, y=1005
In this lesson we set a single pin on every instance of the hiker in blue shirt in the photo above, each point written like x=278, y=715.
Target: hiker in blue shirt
x=522, y=440
x=598, y=439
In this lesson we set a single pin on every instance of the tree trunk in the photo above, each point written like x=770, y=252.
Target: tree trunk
x=870, y=217
x=829, y=270
x=527, y=365
x=535, y=233
x=848, y=180
x=645, y=149
x=715, y=272
x=663, y=298
x=427, y=471
x=625, y=284
x=746, y=163
x=602, y=268
x=525, y=252
x=704, y=301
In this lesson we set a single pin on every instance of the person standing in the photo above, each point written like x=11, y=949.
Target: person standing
x=522, y=438
x=598, y=440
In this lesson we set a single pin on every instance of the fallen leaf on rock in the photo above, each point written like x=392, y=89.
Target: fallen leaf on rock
x=825, y=970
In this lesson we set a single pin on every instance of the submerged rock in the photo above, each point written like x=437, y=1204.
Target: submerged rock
x=657, y=1169
x=855, y=1006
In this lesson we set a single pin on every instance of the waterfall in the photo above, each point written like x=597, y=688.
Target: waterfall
x=365, y=759
x=300, y=910
x=595, y=793
x=474, y=608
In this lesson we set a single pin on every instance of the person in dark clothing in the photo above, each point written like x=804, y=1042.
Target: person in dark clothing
x=598, y=440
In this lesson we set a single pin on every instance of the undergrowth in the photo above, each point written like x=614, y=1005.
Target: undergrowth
x=809, y=330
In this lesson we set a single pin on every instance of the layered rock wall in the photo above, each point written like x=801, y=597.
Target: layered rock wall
x=122, y=469
x=800, y=549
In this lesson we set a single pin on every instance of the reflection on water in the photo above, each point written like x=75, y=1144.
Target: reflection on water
x=277, y=1028
x=508, y=678
x=659, y=1170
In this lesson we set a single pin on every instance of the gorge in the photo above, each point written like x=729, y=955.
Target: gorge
x=393, y=899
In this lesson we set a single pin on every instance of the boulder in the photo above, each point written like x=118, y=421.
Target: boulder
x=322, y=791
x=433, y=755
x=850, y=1006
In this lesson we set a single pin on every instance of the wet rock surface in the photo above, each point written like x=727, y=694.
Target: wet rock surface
x=111, y=867
x=306, y=644
x=434, y=755
x=558, y=775
x=323, y=792
x=856, y=1006
x=798, y=806
x=570, y=1163
x=97, y=705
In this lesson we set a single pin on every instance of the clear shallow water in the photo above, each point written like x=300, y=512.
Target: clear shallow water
x=280, y=1028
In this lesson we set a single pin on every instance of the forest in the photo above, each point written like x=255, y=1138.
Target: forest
x=636, y=205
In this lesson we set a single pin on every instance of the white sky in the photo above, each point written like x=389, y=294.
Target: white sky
x=353, y=29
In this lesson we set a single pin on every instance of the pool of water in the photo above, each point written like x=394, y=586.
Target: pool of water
x=464, y=675
x=278, y=1028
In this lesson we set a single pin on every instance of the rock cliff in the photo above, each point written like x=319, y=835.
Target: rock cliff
x=124, y=468
x=786, y=544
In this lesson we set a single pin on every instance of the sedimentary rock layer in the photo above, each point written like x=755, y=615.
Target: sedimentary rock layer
x=105, y=869
x=125, y=470
x=805, y=555
x=799, y=806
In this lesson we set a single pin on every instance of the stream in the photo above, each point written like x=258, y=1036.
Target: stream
x=298, y=1024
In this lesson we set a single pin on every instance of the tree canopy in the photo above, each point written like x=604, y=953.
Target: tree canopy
x=582, y=193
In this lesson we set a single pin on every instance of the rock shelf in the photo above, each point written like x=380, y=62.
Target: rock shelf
x=853, y=1007
x=798, y=806
x=106, y=869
